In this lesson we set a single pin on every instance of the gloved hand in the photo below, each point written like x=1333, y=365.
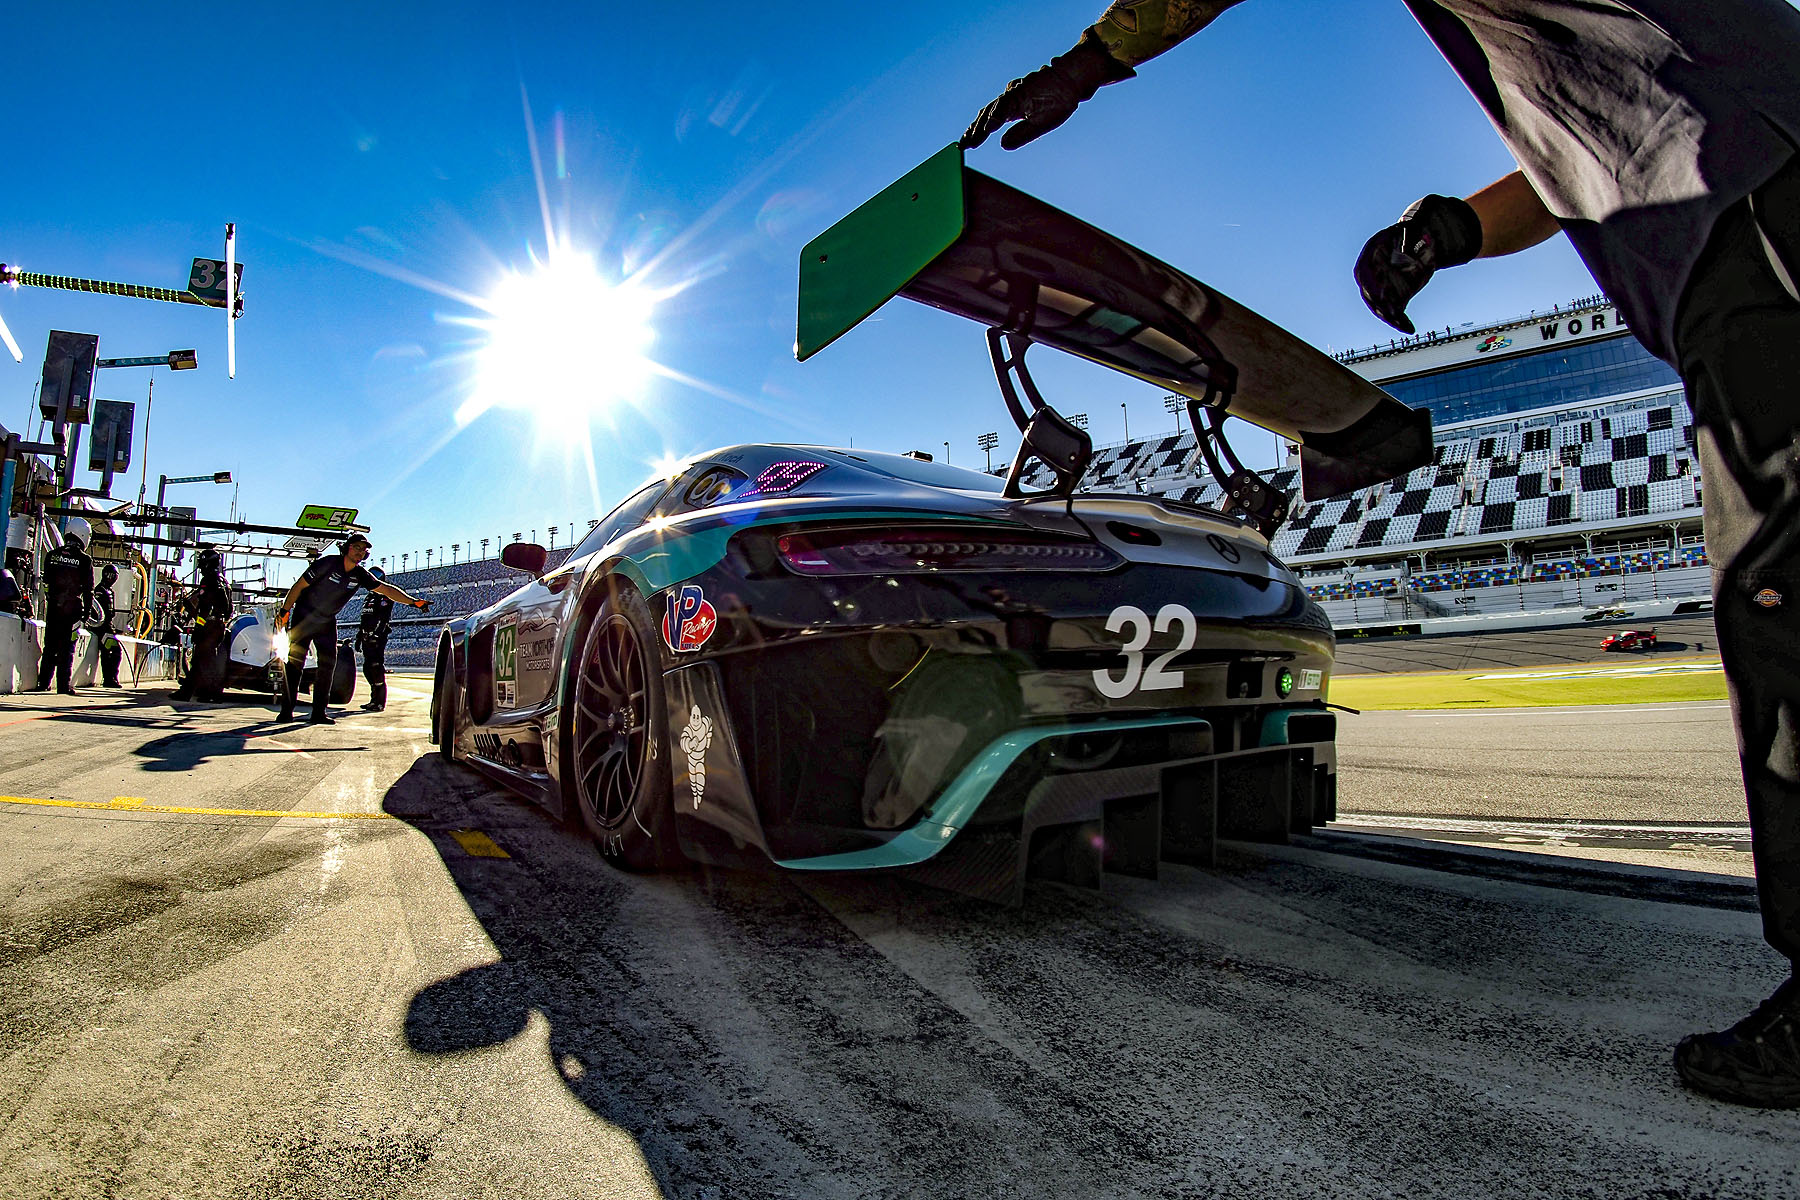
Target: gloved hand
x=424, y=606
x=1397, y=263
x=1049, y=95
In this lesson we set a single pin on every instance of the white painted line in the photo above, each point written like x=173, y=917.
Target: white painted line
x=1640, y=671
x=1539, y=710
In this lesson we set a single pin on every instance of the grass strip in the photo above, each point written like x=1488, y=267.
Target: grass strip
x=1566, y=685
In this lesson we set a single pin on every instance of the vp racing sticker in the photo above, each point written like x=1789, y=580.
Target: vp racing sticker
x=689, y=619
x=696, y=737
x=506, y=663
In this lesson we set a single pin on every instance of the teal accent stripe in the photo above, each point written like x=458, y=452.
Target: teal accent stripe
x=952, y=810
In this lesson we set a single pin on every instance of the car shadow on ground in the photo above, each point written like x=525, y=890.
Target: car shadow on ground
x=740, y=1032
x=765, y=1033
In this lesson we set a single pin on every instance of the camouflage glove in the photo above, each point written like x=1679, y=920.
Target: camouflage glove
x=1397, y=263
x=1049, y=95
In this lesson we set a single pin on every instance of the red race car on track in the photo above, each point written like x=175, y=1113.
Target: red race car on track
x=1630, y=639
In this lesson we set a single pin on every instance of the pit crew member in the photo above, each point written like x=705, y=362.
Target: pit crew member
x=1661, y=136
x=69, y=597
x=309, y=614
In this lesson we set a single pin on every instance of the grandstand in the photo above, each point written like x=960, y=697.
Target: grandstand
x=1564, y=476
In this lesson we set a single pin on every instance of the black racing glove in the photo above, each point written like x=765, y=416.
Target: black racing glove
x=1049, y=95
x=1397, y=263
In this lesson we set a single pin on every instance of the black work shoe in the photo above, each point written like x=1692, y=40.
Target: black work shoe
x=286, y=714
x=1756, y=1061
x=65, y=691
x=371, y=706
x=321, y=718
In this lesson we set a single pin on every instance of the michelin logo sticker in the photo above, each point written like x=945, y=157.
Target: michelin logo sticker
x=696, y=736
x=690, y=620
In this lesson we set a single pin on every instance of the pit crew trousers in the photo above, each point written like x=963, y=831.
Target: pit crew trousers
x=1738, y=338
x=59, y=651
x=374, y=664
x=321, y=634
x=111, y=652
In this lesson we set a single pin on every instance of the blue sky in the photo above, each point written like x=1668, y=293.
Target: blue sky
x=377, y=162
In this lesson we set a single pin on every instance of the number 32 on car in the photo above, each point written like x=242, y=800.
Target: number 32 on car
x=1137, y=625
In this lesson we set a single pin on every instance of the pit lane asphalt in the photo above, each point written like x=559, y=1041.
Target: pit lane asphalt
x=204, y=1005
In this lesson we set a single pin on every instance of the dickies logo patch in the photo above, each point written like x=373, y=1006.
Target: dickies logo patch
x=1768, y=598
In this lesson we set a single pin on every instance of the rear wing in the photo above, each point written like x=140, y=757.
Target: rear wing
x=953, y=238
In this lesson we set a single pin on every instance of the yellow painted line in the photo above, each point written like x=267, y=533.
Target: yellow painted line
x=478, y=844
x=133, y=804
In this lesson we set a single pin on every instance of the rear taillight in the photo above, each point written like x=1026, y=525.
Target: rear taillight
x=916, y=551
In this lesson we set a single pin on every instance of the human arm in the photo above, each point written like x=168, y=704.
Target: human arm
x=1512, y=217
x=1129, y=32
x=400, y=597
x=1440, y=231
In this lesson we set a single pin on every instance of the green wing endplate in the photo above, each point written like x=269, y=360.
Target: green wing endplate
x=857, y=265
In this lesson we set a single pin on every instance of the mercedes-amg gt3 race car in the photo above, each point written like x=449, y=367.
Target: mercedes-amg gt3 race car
x=842, y=660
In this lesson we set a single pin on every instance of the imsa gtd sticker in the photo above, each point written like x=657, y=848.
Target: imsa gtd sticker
x=689, y=619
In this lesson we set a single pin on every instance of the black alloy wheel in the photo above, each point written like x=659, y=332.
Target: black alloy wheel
x=618, y=765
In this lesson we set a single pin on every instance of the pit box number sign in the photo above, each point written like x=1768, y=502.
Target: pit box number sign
x=206, y=280
x=323, y=516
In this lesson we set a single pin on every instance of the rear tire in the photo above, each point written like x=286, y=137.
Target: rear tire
x=443, y=708
x=343, y=676
x=616, y=772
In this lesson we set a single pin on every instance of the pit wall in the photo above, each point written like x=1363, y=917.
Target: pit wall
x=21, y=649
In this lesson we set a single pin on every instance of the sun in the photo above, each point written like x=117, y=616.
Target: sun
x=561, y=342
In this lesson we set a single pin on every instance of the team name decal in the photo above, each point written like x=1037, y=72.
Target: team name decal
x=778, y=479
x=689, y=620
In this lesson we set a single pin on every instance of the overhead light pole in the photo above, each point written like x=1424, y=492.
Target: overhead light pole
x=162, y=487
x=987, y=442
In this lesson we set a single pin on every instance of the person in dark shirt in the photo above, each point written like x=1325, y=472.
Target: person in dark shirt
x=371, y=642
x=309, y=614
x=69, y=597
x=105, y=608
x=1661, y=137
x=209, y=606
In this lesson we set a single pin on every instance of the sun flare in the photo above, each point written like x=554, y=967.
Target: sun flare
x=562, y=342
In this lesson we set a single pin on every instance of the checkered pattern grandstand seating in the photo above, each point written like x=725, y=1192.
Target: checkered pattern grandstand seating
x=1592, y=467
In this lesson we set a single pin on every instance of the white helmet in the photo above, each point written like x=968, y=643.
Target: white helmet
x=78, y=529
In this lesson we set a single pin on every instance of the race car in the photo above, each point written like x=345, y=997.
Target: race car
x=843, y=659
x=1630, y=639
x=834, y=659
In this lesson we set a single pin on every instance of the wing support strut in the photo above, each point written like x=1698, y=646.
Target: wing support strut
x=1248, y=495
x=1044, y=433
